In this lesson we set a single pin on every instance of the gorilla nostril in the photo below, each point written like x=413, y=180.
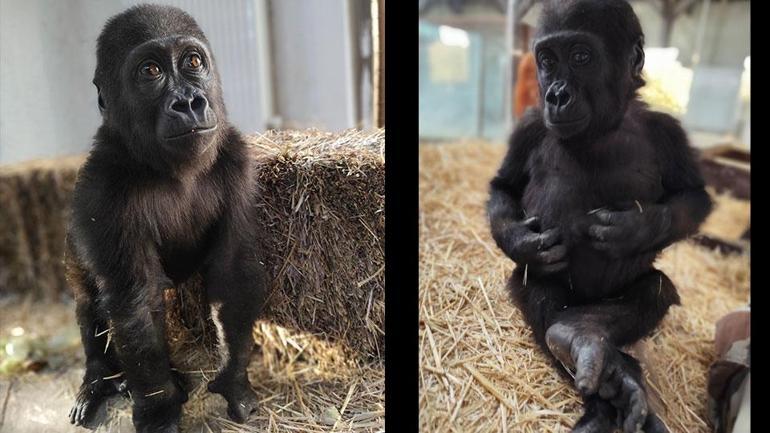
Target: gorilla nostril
x=564, y=98
x=198, y=104
x=181, y=106
x=551, y=99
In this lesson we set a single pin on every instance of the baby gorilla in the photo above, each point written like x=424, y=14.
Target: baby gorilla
x=164, y=193
x=593, y=187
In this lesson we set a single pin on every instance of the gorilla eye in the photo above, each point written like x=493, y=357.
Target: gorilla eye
x=151, y=70
x=193, y=61
x=547, y=62
x=581, y=58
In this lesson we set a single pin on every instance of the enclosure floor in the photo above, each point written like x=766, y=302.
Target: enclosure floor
x=292, y=398
x=480, y=370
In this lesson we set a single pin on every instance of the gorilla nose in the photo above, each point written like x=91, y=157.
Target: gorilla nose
x=193, y=106
x=558, y=95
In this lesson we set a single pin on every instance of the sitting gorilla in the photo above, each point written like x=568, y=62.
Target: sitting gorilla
x=593, y=187
x=165, y=192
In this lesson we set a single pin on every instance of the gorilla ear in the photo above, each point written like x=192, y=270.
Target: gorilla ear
x=637, y=59
x=100, y=100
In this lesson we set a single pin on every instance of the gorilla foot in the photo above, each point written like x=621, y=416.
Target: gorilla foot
x=241, y=400
x=159, y=411
x=93, y=393
x=599, y=417
x=182, y=385
x=600, y=368
x=654, y=425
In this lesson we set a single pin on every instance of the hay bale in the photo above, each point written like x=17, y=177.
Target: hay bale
x=480, y=369
x=34, y=203
x=321, y=200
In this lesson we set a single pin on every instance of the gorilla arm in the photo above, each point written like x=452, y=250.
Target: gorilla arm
x=519, y=236
x=681, y=211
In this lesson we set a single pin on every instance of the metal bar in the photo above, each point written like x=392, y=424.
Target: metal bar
x=510, y=73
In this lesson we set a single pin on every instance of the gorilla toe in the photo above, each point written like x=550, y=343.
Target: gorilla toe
x=90, y=398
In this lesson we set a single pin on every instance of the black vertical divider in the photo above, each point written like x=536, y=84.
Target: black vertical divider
x=401, y=203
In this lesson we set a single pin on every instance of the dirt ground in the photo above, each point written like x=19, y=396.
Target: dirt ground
x=480, y=370
x=294, y=397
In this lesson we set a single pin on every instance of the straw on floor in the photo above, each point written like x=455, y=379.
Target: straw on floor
x=480, y=370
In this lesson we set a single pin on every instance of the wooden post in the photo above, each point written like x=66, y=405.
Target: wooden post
x=378, y=62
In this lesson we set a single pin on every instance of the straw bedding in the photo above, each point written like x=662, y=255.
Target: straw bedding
x=321, y=343
x=479, y=367
x=294, y=395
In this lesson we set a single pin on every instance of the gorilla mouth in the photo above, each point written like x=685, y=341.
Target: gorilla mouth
x=192, y=131
x=567, y=122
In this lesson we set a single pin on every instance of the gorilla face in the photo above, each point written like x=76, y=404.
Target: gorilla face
x=589, y=63
x=169, y=87
x=159, y=90
x=569, y=69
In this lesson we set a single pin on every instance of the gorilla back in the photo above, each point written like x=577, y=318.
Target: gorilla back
x=165, y=192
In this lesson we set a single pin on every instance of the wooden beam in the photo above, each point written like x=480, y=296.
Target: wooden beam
x=378, y=62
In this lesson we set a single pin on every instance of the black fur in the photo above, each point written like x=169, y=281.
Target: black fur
x=164, y=193
x=593, y=187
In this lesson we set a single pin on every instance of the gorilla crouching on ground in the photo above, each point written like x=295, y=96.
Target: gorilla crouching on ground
x=593, y=187
x=165, y=192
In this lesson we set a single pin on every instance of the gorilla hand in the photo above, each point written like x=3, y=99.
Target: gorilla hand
x=543, y=252
x=628, y=232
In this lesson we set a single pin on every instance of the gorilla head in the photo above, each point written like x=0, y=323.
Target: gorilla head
x=159, y=90
x=589, y=60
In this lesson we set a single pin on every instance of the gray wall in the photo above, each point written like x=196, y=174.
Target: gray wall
x=726, y=38
x=321, y=71
x=282, y=62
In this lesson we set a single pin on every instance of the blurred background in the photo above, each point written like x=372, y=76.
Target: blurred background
x=472, y=53
x=284, y=64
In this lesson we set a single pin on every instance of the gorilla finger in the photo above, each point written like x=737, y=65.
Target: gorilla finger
x=608, y=390
x=553, y=267
x=527, y=244
x=549, y=238
x=588, y=368
x=532, y=223
x=608, y=218
x=604, y=233
x=636, y=413
x=80, y=414
x=553, y=254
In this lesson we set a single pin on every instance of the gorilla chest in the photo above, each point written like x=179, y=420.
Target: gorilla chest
x=563, y=187
x=178, y=217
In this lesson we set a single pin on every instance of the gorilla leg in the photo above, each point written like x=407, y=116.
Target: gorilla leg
x=100, y=359
x=586, y=340
x=138, y=327
x=236, y=300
